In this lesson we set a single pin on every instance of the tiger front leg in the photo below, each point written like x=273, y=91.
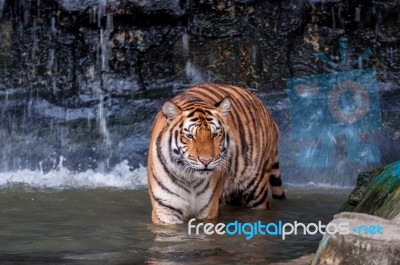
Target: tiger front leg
x=161, y=215
x=167, y=211
x=256, y=194
x=210, y=209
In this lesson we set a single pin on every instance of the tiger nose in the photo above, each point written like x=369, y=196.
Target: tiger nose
x=205, y=161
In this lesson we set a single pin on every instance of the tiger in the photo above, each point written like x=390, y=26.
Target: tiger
x=212, y=144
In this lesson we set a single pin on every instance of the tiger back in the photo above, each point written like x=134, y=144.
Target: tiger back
x=212, y=144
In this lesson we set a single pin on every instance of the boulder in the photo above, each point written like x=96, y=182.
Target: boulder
x=304, y=260
x=377, y=193
x=374, y=223
x=361, y=247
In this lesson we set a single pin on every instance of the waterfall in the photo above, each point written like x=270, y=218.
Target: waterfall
x=82, y=81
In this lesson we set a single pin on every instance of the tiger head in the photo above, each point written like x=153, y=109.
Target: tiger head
x=199, y=139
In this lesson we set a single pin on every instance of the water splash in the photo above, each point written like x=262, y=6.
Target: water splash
x=193, y=73
x=121, y=177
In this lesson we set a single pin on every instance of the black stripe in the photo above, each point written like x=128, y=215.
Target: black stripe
x=204, y=189
x=275, y=165
x=176, y=138
x=176, y=210
x=211, y=197
x=192, y=113
x=275, y=181
x=247, y=100
x=163, y=186
x=262, y=199
x=182, y=183
x=279, y=197
x=246, y=153
x=207, y=95
x=261, y=190
x=251, y=197
x=198, y=184
x=242, y=139
x=191, y=104
x=170, y=141
x=251, y=182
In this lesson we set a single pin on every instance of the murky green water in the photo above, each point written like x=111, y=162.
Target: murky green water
x=105, y=226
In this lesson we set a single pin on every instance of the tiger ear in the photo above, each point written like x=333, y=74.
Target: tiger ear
x=170, y=110
x=224, y=106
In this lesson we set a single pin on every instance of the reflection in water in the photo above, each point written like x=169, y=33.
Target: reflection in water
x=114, y=226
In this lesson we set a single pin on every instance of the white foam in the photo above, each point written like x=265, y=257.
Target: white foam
x=121, y=177
x=316, y=186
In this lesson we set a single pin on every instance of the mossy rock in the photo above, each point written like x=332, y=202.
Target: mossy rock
x=377, y=193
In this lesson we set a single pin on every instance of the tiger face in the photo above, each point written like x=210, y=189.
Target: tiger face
x=199, y=141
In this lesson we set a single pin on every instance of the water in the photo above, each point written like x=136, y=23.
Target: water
x=113, y=226
x=77, y=101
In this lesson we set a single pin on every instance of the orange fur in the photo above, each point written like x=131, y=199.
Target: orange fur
x=212, y=143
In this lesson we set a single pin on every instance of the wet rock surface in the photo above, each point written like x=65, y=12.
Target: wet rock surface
x=364, y=180
x=372, y=216
x=61, y=48
x=83, y=79
x=377, y=193
x=362, y=247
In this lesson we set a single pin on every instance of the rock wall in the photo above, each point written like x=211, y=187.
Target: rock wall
x=66, y=49
x=83, y=79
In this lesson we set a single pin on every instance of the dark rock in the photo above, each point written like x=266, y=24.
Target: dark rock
x=78, y=5
x=363, y=181
x=172, y=7
x=79, y=55
x=377, y=193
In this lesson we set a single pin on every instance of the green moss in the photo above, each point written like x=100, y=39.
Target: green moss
x=377, y=193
